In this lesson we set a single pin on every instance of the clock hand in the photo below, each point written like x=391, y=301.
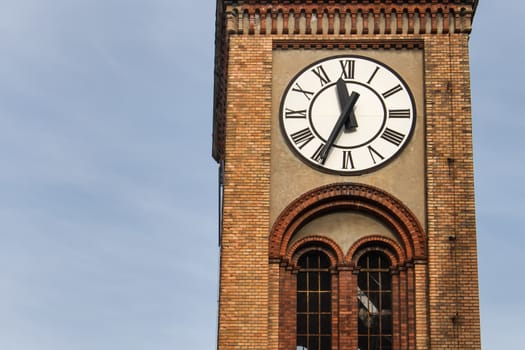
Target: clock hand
x=346, y=112
x=342, y=94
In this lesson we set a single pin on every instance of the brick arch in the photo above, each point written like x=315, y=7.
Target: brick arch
x=348, y=196
x=332, y=249
x=389, y=247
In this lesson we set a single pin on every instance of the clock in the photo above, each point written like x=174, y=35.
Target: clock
x=347, y=115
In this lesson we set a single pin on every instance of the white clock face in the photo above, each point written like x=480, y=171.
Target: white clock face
x=347, y=114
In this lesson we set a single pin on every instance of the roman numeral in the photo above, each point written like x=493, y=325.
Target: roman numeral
x=347, y=160
x=399, y=113
x=373, y=75
x=317, y=155
x=372, y=151
x=302, y=137
x=393, y=136
x=321, y=74
x=306, y=93
x=348, y=69
x=291, y=114
x=392, y=91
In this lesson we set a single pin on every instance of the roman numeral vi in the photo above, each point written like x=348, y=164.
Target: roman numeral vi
x=347, y=160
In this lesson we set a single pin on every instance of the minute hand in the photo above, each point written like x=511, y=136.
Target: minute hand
x=343, y=117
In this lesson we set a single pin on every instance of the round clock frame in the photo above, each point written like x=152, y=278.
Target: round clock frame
x=347, y=114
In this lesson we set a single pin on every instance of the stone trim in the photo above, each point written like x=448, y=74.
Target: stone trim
x=363, y=44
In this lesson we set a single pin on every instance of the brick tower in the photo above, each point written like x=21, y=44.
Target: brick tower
x=343, y=133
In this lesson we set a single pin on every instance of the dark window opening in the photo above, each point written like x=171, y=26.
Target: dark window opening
x=314, y=312
x=374, y=302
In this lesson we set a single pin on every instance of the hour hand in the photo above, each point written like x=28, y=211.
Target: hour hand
x=342, y=94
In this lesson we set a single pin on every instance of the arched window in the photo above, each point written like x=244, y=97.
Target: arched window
x=314, y=319
x=374, y=302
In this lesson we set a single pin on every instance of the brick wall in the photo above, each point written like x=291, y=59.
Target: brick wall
x=243, y=308
x=452, y=255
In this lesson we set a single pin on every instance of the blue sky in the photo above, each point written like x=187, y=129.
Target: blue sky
x=107, y=183
x=497, y=70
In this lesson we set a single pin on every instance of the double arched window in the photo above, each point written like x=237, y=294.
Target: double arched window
x=373, y=296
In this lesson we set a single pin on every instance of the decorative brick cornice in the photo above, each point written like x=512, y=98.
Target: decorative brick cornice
x=349, y=196
x=351, y=17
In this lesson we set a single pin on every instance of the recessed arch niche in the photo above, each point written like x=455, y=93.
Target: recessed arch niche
x=345, y=220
